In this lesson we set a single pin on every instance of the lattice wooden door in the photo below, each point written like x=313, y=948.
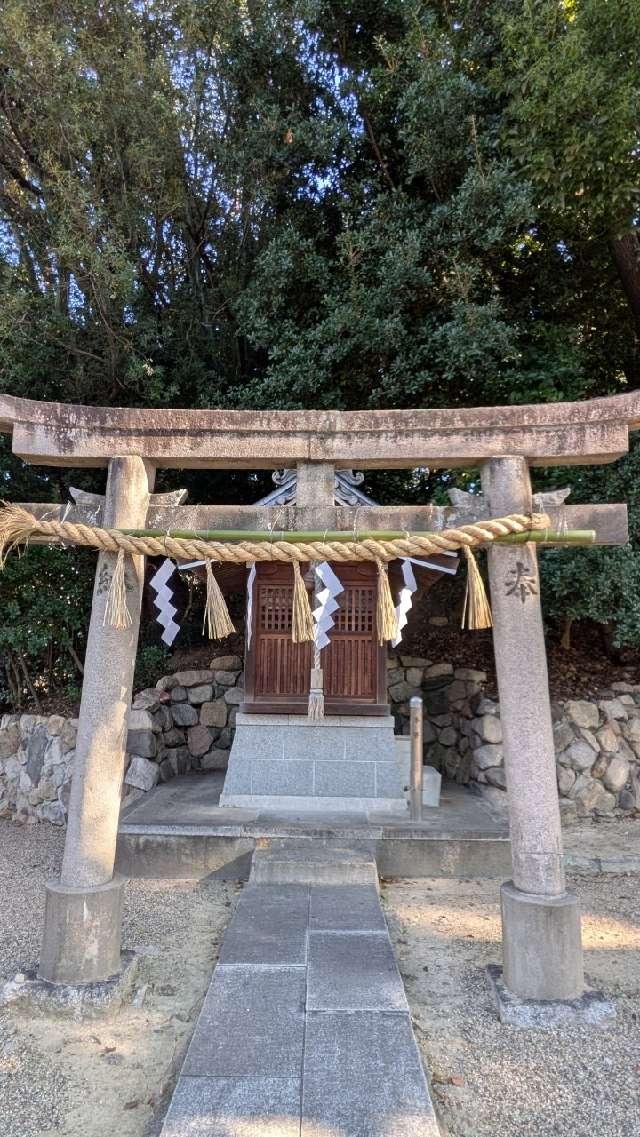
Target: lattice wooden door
x=278, y=670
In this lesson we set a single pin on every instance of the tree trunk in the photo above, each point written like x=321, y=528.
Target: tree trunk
x=626, y=253
x=32, y=691
x=75, y=657
x=13, y=684
x=606, y=638
x=17, y=681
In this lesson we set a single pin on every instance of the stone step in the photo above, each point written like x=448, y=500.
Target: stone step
x=310, y=862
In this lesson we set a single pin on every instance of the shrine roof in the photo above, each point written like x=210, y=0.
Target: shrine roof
x=347, y=490
x=52, y=433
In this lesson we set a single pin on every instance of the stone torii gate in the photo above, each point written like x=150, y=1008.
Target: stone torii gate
x=540, y=920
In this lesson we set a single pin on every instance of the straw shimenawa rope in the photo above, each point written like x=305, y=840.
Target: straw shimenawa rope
x=18, y=526
x=216, y=614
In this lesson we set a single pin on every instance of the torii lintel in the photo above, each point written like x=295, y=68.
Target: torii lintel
x=62, y=434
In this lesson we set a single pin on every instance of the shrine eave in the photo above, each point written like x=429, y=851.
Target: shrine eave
x=63, y=434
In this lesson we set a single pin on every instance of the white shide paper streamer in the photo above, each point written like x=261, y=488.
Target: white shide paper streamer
x=326, y=602
x=406, y=595
x=249, y=618
x=164, y=596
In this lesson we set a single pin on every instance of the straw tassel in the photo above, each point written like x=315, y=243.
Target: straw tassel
x=116, y=612
x=216, y=614
x=315, y=709
x=302, y=628
x=476, y=612
x=387, y=617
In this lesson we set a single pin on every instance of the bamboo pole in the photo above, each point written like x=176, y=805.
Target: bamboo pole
x=293, y=536
x=550, y=537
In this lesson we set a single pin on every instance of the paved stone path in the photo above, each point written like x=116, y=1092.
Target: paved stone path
x=305, y=1030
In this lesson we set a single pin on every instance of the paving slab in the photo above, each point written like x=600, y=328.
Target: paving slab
x=305, y=1029
x=350, y=908
x=234, y=1107
x=251, y=1025
x=363, y=1077
x=269, y=926
x=353, y=971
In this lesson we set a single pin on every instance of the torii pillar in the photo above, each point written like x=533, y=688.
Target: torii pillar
x=541, y=942
x=83, y=917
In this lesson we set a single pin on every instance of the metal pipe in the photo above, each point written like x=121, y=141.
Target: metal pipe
x=415, y=724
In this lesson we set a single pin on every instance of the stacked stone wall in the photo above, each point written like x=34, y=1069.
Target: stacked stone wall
x=597, y=741
x=36, y=760
x=597, y=746
x=187, y=722
x=450, y=696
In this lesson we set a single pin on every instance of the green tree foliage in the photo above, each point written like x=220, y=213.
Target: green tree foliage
x=42, y=634
x=572, y=73
x=293, y=202
x=296, y=203
x=600, y=584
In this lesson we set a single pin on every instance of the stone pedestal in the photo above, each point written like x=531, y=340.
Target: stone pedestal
x=81, y=940
x=541, y=948
x=540, y=921
x=346, y=762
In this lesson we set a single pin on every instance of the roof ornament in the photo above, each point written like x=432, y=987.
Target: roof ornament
x=346, y=491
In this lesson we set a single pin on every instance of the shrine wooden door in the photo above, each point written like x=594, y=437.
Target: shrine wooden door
x=277, y=670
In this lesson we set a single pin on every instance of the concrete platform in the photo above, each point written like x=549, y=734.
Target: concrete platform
x=179, y=830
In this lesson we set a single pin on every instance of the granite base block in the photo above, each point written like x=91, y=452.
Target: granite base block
x=396, y=808
x=592, y=1008
x=291, y=757
x=28, y=992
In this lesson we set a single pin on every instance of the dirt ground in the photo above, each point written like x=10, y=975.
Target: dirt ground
x=102, y=1078
x=490, y=1080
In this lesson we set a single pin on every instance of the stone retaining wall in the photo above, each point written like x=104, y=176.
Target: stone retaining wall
x=184, y=723
x=36, y=760
x=187, y=721
x=597, y=741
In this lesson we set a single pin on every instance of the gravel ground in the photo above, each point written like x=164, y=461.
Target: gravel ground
x=603, y=842
x=490, y=1080
x=104, y=1077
